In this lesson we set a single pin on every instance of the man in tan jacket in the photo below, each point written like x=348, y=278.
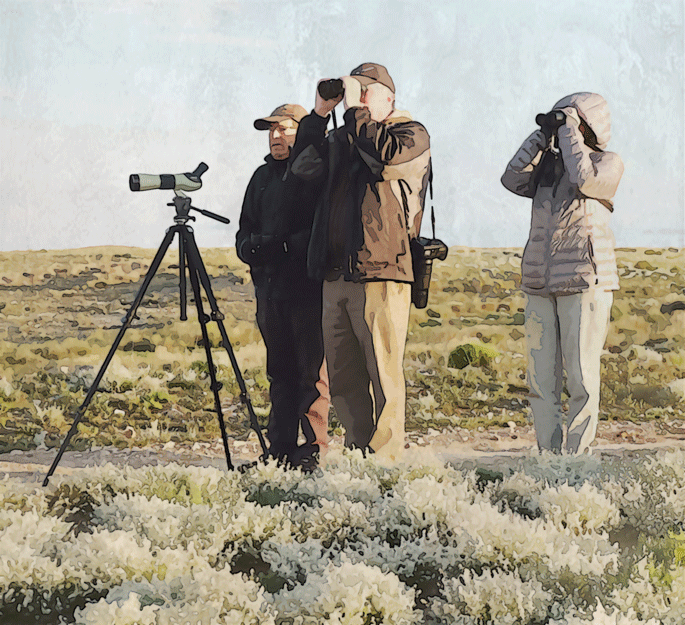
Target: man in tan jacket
x=568, y=267
x=373, y=175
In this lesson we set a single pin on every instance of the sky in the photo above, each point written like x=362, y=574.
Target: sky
x=92, y=91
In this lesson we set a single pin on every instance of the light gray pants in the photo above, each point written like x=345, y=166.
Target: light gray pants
x=365, y=331
x=566, y=332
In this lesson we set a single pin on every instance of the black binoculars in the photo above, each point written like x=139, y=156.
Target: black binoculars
x=551, y=120
x=331, y=89
x=423, y=252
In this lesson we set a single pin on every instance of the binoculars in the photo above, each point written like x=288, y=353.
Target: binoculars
x=551, y=120
x=331, y=89
x=423, y=252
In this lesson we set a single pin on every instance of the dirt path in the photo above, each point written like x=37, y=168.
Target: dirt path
x=490, y=446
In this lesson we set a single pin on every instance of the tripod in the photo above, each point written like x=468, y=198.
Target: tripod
x=189, y=256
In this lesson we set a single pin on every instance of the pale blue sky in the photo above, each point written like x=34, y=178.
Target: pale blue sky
x=93, y=91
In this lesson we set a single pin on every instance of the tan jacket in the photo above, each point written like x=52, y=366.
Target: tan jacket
x=570, y=247
x=373, y=178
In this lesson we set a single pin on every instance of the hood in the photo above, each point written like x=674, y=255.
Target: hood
x=594, y=111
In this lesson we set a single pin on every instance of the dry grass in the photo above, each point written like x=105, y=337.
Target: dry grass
x=60, y=312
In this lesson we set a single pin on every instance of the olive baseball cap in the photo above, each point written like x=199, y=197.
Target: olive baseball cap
x=283, y=112
x=367, y=73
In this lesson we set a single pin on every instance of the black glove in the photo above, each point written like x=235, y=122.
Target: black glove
x=265, y=249
x=297, y=243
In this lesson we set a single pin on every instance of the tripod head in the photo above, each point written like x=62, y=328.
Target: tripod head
x=183, y=207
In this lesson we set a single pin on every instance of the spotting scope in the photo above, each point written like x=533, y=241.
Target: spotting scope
x=175, y=182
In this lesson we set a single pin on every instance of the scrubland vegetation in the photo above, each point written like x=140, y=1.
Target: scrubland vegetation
x=465, y=358
x=553, y=541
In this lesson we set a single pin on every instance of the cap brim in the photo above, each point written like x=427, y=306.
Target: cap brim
x=367, y=80
x=364, y=80
x=265, y=122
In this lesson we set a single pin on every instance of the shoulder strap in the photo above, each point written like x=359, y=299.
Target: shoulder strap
x=607, y=204
x=430, y=188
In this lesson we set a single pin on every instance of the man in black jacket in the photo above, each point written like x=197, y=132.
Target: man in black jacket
x=275, y=227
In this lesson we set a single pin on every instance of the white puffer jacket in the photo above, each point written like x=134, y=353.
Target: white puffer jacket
x=571, y=246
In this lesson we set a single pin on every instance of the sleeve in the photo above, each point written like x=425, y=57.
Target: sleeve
x=248, y=224
x=519, y=176
x=380, y=144
x=596, y=174
x=309, y=156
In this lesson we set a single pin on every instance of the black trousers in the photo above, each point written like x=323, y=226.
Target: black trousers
x=291, y=329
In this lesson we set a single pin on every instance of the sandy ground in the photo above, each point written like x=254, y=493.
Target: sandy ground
x=489, y=447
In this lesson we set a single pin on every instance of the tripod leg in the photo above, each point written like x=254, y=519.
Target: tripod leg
x=216, y=315
x=182, y=276
x=216, y=385
x=128, y=320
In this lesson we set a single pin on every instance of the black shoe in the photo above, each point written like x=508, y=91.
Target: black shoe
x=246, y=466
x=366, y=449
x=305, y=458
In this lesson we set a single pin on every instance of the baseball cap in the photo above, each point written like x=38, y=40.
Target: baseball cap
x=283, y=112
x=367, y=73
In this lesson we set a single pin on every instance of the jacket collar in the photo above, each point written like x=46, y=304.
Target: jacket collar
x=398, y=117
x=277, y=165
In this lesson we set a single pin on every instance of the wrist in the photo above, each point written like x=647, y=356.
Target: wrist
x=355, y=112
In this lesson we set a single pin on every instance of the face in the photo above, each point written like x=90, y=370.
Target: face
x=589, y=137
x=353, y=92
x=379, y=100
x=281, y=138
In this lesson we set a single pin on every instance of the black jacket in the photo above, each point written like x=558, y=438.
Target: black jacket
x=274, y=231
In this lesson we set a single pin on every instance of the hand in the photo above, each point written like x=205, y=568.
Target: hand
x=297, y=243
x=571, y=115
x=547, y=134
x=264, y=249
x=353, y=92
x=323, y=107
x=540, y=138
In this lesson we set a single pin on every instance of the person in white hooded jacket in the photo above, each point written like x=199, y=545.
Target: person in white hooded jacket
x=568, y=270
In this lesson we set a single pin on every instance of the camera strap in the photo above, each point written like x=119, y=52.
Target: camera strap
x=430, y=188
x=608, y=204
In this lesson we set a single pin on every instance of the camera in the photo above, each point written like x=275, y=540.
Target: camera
x=423, y=252
x=331, y=89
x=551, y=120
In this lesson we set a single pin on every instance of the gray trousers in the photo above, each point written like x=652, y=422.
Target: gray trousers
x=365, y=331
x=566, y=332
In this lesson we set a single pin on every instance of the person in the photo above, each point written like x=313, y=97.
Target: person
x=274, y=230
x=568, y=266
x=372, y=174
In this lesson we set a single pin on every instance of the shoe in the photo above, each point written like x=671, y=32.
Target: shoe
x=246, y=466
x=305, y=458
x=366, y=449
